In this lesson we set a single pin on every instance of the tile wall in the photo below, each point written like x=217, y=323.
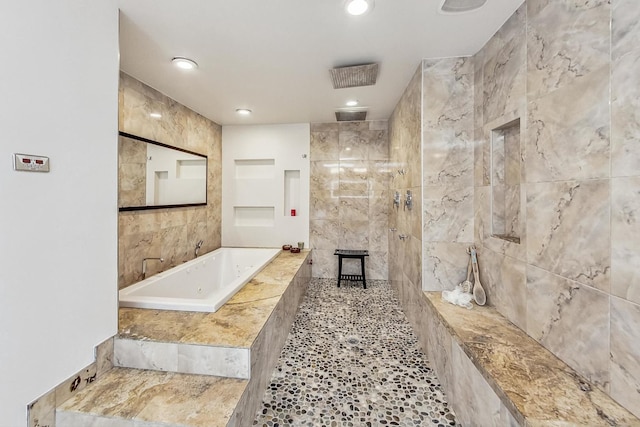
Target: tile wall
x=447, y=164
x=405, y=255
x=571, y=72
x=349, y=197
x=168, y=233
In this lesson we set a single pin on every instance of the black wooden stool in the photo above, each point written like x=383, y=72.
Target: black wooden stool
x=348, y=253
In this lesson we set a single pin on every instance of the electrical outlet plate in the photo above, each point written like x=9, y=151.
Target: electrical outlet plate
x=30, y=163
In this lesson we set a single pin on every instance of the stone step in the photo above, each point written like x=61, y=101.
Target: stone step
x=232, y=362
x=126, y=397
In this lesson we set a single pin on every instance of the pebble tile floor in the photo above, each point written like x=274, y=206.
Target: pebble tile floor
x=352, y=359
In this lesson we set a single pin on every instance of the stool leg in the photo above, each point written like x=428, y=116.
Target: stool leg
x=339, y=269
x=364, y=276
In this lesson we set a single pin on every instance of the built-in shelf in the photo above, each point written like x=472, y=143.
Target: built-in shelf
x=191, y=169
x=291, y=192
x=254, y=216
x=255, y=168
x=505, y=181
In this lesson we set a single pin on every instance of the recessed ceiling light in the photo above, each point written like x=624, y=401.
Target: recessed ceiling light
x=351, y=103
x=358, y=7
x=243, y=111
x=155, y=115
x=184, y=63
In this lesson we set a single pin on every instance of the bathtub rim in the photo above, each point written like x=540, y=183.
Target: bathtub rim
x=188, y=304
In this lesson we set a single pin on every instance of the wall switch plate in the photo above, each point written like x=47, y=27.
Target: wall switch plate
x=30, y=163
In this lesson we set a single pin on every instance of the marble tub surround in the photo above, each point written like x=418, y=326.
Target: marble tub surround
x=42, y=411
x=531, y=386
x=200, y=346
x=168, y=233
x=137, y=398
x=236, y=324
x=349, y=195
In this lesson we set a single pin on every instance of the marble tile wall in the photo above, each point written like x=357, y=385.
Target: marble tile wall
x=349, y=196
x=167, y=233
x=448, y=170
x=571, y=72
x=42, y=411
x=405, y=256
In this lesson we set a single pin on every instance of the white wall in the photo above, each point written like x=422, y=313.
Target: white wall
x=264, y=185
x=58, y=230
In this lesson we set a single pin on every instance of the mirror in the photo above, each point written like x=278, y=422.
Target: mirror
x=152, y=175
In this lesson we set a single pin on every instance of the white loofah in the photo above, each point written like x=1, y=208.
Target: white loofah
x=458, y=297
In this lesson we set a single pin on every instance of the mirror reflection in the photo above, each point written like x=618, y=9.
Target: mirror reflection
x=153, y=175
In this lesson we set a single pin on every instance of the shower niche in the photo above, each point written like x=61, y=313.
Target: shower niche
x=506, y=176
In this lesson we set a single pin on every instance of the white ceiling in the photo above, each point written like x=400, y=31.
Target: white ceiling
x=273, y=56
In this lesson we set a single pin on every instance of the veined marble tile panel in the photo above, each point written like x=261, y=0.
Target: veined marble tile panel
x=324, y=234
x=377, y=265
x=380, y=173
x=566, y=40
x=378, y=236
x=569, y=232
x=482, y=158
x=445, y=265
x=505, y=281
x=324, y=127
x=510, y=30
x=448, y=157
x=625, y=27
x=625, y=354
x=475, y=403
x=219, y=361
x=354, y=208
x=324, y=145
x=352, y=145
x=325, y=264
x=569, y=131
x=355, y=233
x=324, y=175
x=143, y=397
x=447, y=86
x=448, y=214
x=625, y=238
x=324, y=204
x=412, y=262
x=379, y=203
x=158, y=356
x=572, y=321
x=504, y=72
x=625, y=114
x=377, y=144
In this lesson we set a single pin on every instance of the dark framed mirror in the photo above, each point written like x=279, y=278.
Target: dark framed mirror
x=153, y=175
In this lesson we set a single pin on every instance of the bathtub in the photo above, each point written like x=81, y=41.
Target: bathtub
x=202, y=284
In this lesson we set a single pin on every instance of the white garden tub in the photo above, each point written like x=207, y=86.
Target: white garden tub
x=202, y=284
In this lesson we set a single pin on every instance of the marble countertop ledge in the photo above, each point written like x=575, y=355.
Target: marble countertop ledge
x=236, y=324
x=128, y=396
x=537, y=387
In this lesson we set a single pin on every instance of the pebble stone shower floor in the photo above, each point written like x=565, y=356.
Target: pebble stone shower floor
x=352, y=359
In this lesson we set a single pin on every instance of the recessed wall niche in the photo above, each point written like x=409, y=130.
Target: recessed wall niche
x=505, y=181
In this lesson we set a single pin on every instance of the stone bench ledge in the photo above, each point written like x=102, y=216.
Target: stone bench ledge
x=533, y=384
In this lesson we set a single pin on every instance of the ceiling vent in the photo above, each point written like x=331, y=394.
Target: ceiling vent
x=459, y=6
x=351, y=116
x=354, y=76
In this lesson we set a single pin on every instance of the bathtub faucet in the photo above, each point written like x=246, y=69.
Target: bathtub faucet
x=198, y=246
x=144, y=265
